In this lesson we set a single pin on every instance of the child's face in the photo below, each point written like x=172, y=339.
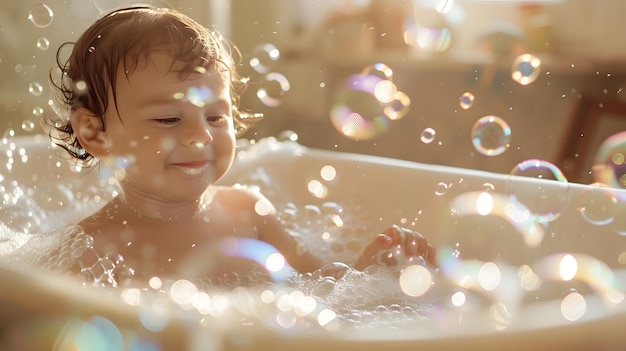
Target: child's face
x=174, y=134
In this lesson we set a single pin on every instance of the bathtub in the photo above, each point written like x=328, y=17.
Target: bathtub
x=579, y=253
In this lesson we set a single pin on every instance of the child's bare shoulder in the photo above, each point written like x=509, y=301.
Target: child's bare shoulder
x=242, y=197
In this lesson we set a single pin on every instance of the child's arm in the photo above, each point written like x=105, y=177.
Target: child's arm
x=394, y=240
x=272, y=231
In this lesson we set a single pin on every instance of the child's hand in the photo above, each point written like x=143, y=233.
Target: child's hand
x=397, y=247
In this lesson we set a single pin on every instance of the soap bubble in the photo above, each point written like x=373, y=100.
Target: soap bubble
x=433, y=39
x=609, y=164
x=428, y=135
x=37, y=111
x=40, y=15
x=273, y=87
x=596, y=204
x=380, y=70
x=43, y=43
x=540, y=186
x=28, y=125
x=356, y=112
x=491, y=135
x=264, y=56
x=619, y=217
x=568, y=270
x=466, y=100
x=526, y=69
x=35, y=88
x=398, y=107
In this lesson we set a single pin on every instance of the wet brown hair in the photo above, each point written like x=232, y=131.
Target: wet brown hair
x=119, y=40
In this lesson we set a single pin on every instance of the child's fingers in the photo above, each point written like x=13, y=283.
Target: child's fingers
x=413, y=243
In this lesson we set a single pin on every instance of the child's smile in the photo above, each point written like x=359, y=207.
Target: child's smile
x=171, y=136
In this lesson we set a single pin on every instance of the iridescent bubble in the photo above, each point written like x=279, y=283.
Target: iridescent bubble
x=380, y=70
x=526, y=69
x=434, y=39
x=43, y=43
x=567, y=268
x=482, y=207
x=466, y=100
x=385, y=91
x=356, y=112
x=596, y=204
x=260, y=252
x=35, y=88
x=491, y=135
x=540, y=186
x=40, y=15
x=428, y=135
x=274, y=87
x=609, y=163
x=199, y=96
x=619, y=217
x=398, y=107
x=264, y=56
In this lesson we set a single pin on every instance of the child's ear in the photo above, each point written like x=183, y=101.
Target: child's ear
x=89, y=132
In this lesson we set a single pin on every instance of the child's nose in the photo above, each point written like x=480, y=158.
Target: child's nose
x=199, y=134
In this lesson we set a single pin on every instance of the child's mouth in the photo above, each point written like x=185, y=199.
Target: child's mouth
x=192, y=168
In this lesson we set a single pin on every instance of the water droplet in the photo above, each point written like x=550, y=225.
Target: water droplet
x=40, y=15
x=491, y=135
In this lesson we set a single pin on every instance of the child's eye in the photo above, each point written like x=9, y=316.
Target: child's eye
x=167, y=120
x=216, y=119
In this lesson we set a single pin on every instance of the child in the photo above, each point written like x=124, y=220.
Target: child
x=151, y=89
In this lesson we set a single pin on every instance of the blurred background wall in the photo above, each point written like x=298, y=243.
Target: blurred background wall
x=436, y=50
